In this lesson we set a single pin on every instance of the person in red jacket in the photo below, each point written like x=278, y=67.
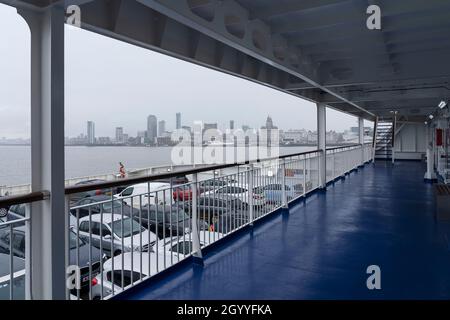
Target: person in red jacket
x=122, y=170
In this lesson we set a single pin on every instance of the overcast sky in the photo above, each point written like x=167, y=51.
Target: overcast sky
x=116, y=84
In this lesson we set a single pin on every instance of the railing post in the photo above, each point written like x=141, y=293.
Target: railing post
x=283, y=187
x=28, y=266
x=361, y=140
x=304, y=176
x=374, y=139
x=196, y=250
x=67, y=230
x=394, y=128
x=429, y=175
x=333, y=173
x=250, y=177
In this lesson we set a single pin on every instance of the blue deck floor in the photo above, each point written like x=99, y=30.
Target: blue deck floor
x=380, y=215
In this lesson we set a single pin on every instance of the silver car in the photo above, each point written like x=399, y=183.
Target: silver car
x=115, y=234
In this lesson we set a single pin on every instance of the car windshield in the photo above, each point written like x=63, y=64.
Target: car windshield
x=73, y=240
x=130, y=227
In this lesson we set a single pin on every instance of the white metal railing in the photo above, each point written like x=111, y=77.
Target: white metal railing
x=173, y=222
x=15, y=245
x=116, y=241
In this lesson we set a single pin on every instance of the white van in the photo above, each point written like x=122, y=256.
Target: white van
x=158, y=193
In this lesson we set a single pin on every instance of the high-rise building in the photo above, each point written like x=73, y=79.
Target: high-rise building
x=152, y=128
x=161, y=128
x=119, y=135
x=232, y=124
x=90, y=132
x=267, y=139
x=178, y=124
x=269, y=124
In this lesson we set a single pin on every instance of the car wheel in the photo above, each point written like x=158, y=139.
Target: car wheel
x=3, y=212
x=117, y=252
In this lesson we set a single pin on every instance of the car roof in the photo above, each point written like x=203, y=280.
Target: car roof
x=205, y=237
x=107, y=217
x=134, y=258
x=152, y=185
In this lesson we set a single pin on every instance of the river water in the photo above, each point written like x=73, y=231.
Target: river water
x=15, y=163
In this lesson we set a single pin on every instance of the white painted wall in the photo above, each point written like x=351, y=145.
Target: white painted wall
x=410, y=142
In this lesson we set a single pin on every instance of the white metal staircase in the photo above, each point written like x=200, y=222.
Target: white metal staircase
x=384, y=136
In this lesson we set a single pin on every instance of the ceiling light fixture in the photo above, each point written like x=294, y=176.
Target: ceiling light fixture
x=442, y=104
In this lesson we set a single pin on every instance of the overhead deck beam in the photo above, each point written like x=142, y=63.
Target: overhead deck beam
x=352, y=15
x=255, y=31
x=297, y=6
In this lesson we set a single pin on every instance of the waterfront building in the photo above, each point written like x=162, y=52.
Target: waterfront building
x=90, y=132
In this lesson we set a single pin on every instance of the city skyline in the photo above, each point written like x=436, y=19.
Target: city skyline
x=269, y=124
x=157, y=135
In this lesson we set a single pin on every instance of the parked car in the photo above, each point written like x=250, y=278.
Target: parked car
x=158, y=192
x=184, y=192
x=80, y=250
x=210, y=205
x=180, y=247
x=18, y=277
x=93, y=205
x=129, y=265
x=212, y=184
x=240, y=193
x=78, y=196
x=108, y=233
x=171, y=220
x=274, y=192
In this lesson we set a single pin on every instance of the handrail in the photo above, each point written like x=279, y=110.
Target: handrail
x=173, y=174
x=24, y=198
x=394, y=128
x=345, y=147
x=43, y=195
x=375, y=129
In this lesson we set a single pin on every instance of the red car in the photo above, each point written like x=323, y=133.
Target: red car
x=184, y=193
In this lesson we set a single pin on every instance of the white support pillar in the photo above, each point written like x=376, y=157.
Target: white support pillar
x=361, y=139
x=196, y=248
x=48, y=219
x=321, y=143
x=429, y=175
